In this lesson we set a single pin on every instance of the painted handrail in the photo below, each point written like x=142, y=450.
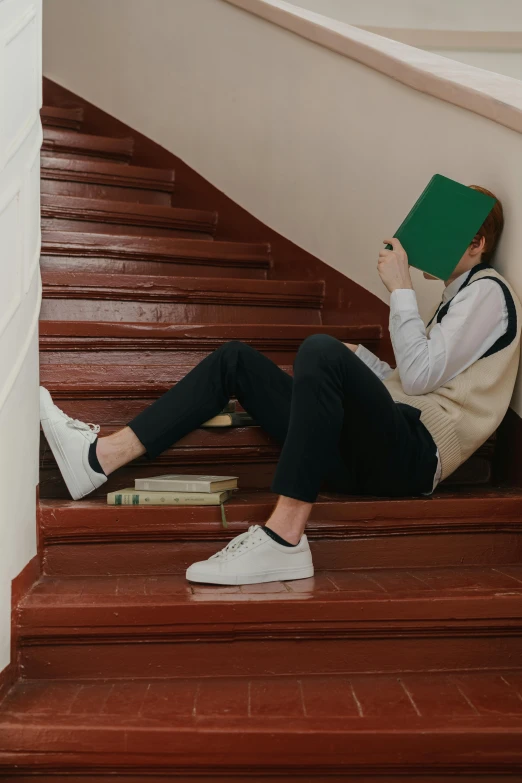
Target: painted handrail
x=491, y=95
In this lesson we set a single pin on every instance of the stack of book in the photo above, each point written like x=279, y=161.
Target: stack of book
x=177, y=490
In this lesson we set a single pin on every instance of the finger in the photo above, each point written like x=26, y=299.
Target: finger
x=394, y=242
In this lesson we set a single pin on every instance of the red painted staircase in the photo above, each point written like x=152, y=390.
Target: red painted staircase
x=400, y=660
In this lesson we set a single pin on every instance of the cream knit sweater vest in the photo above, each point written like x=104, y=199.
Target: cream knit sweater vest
x=463, y=413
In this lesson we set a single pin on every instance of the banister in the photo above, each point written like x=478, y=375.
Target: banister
x=491, y=95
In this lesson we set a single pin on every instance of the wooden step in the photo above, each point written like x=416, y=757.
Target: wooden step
x=463, y=528
x=54, y=117
x=153, y=255
x=246, y=452
x=72, y=144
x=430, y=726
x=86, y=296
x=111, y=394
x=104, y=180
x=97, y=342
x=65, y=213
x=337, y=621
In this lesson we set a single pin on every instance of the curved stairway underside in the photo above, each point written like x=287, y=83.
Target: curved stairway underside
x=402, y=656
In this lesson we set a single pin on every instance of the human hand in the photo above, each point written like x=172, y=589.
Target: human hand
x=393, y=266
x=351, y=346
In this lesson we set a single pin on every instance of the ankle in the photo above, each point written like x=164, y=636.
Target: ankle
x=118, y=449
x=289, y=518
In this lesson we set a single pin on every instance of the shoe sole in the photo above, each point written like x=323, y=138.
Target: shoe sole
x=286, y=575
x=59, y=455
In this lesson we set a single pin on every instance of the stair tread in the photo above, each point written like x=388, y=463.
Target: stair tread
x=356, y=699
x=464, y=718
x=108, y=210
x=157, y=248
x=100, y=381
x=127, y=330
x=212, y=444
x=107, y=173
x=356, y=599
x=137, y=286
x=59, y=117
x=230, y=437
x=472, y=509
x=75, y=142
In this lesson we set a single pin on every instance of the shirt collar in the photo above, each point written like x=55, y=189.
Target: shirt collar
x=451, y=289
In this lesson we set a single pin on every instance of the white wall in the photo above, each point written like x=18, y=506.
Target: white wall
x=424, y=14
x=500, y=50
x=20, y=139
x=327, y=151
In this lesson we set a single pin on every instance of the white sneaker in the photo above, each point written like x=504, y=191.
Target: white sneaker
x=254, y=557
x=69, y=440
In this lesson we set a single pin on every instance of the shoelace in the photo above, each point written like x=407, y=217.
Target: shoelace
x=81, y=425
x=237, y=543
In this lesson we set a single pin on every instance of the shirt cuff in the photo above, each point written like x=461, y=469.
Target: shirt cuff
x=403, y=299
x=369, y=358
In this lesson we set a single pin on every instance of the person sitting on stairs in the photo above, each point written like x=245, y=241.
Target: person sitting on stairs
x=346, y=421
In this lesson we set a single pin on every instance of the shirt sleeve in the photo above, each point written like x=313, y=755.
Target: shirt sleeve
x=475, y=320
x=380, y=368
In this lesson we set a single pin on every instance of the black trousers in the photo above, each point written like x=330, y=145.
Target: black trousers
x=338, y=426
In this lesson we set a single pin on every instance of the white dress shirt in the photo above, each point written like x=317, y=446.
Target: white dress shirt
x=475, y=320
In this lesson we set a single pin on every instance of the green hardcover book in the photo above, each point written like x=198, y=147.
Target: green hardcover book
x=442, y=224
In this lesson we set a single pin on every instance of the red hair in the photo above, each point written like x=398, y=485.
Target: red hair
x=491, y=229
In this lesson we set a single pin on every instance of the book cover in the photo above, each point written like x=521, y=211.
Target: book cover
x=238, y=419
x=186, y=483
x=133, y=497
x=442, y=224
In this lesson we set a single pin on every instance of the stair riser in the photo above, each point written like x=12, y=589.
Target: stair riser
x=71, y=145
x=384, y=652
x=78, y=309
x=79, y=154
x=104, y=191
x=69, y=119
x=63, y=123
x=174, y=268
x=252, y=474
x=113, y=352
x=152, y=357
x=110, y=217
x=118, y=412
x=76, y=767
x=82, y=226
x=151, y=554
x=104, y=412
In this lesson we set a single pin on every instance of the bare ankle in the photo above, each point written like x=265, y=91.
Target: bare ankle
x=118, y=449
x=289, y=518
